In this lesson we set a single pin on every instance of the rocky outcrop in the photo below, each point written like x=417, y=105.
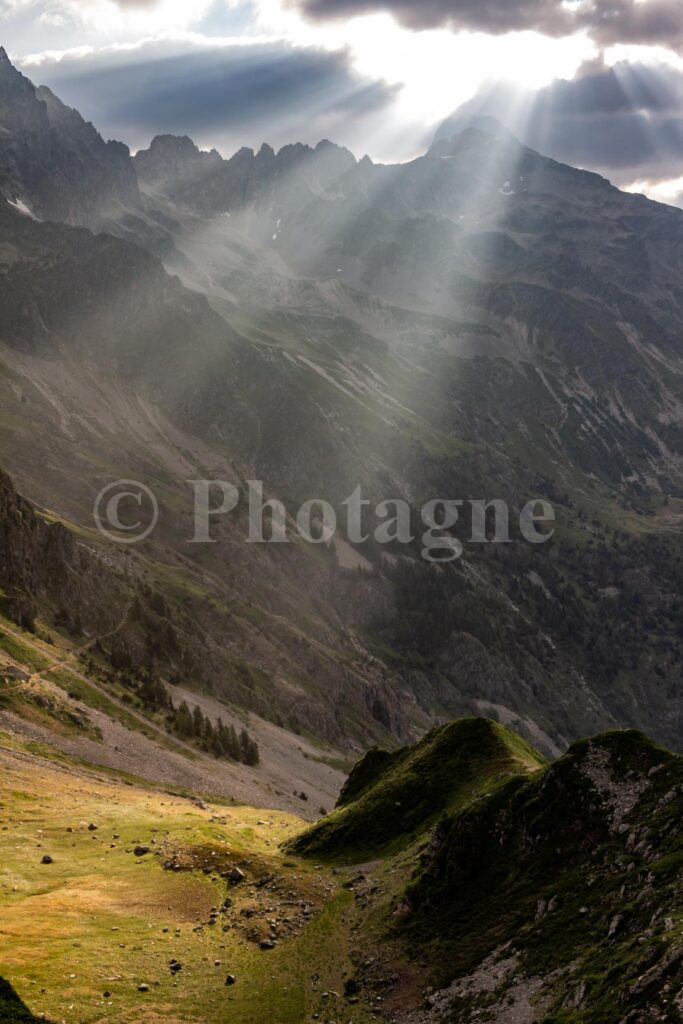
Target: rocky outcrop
x=12, y=1009
x=53, y=164
x=174, y=162
x=42, y=565
x=575, y=889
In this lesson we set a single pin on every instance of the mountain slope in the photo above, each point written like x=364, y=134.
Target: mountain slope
x=393, y=798
x=585, y=863
x=552, y=894
x=53, y=163
x=419, y=331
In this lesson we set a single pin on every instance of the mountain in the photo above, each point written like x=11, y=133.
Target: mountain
x=482, y=322
x=207, y=184
x=54, y=164
x=177, y=717
x=458, y=124
x=584, y=859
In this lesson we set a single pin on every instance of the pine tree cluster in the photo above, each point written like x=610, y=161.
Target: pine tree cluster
x=215, y=738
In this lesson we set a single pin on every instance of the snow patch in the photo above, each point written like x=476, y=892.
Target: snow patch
x=21, y=206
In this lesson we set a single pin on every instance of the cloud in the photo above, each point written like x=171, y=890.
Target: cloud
x=647, y=22
x=222, y=94
x=625, y=122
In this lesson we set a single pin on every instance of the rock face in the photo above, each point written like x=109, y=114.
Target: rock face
x=55, y=164
x=547, y=891
x=602, y=903
x=172, y=163
x=206, y=183
x=42, y=562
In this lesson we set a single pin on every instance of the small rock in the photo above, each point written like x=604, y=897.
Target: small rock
x=47, y=859
x=230, y=980
x=143, y=988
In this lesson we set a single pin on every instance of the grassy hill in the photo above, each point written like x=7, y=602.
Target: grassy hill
x=80, y=935
x=390, y=799
x=544, y=892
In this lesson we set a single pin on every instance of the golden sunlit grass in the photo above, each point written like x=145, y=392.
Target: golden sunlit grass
x=99, y=919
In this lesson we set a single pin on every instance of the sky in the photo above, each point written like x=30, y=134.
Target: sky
x=595, y=83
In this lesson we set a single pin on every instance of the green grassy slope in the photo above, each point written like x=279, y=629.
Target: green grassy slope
x=390, y=799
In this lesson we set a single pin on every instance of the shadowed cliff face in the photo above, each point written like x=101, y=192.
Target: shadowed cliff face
x=53, y=162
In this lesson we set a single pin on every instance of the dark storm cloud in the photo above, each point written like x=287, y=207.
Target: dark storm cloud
x=626, y=121
x=607, y=21
x=220, y=95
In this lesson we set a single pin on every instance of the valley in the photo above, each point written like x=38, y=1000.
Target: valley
x=128, y=903
x=351, y=781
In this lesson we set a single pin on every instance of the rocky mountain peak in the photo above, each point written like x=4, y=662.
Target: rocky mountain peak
x=173, y=161
x=55, y=160
x=463, y=126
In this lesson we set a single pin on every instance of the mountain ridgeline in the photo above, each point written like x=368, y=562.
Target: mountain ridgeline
x=54, y=163
x=534, y=891
x=392, y=798
x=481, y=322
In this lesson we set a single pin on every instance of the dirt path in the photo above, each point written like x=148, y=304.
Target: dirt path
x=70, y=655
